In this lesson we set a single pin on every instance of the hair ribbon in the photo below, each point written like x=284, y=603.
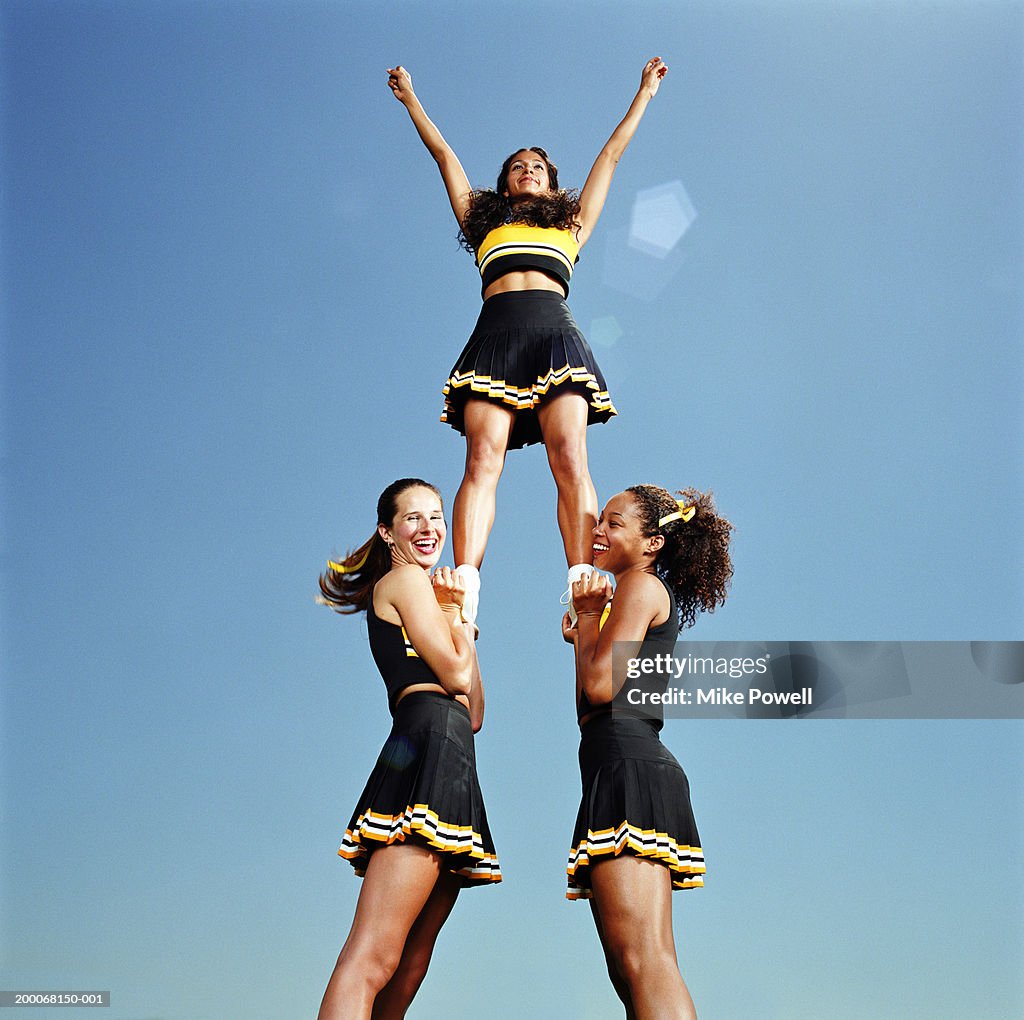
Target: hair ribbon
x=340, y=568
x=684, y=514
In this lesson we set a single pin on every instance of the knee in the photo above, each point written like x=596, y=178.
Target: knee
x=410, y=974
x=568, y=460
x=636, y=960
x=625, y=961
x=375, y=966
x=415, y=961
x=485, y=458
x=616, y=978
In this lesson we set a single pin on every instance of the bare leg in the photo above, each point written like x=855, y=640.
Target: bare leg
x=634, y=899
x=488, y=427
x=395, y=997
x=563, y=423
x=399, y=880
x=618, y=983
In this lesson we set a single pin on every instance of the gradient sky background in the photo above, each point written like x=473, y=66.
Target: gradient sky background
x=231, y=294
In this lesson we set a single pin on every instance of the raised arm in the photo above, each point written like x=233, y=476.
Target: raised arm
x=455, y=180
x=434, y=625
x=450, y=593
x=634, y=607
x=599, y=180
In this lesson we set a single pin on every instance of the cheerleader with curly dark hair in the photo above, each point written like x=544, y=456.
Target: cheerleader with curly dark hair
x=635, y=838
x=419, y=831
x=527, y=374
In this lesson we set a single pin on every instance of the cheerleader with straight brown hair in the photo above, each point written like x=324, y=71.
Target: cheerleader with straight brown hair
x=635, y=838
x=419, y=830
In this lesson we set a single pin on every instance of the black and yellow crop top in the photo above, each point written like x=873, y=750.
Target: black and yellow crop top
x=658, y=640
x=399, y=664
x=519, y=246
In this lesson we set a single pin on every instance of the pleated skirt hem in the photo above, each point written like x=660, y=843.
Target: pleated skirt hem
x=424, y=788
x=636, y=801
x=686, y=863
x=418, y=822
x=525, y=350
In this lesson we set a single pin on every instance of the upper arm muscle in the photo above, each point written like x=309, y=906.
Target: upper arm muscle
x=409, y=591
x=636, y=604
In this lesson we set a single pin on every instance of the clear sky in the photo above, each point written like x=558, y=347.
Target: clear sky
x=231, y=292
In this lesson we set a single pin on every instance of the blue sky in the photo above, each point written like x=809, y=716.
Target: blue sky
x=232, y=291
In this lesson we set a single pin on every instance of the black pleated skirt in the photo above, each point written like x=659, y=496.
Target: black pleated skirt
x=525, y=348
x=636, y=800
x=424, y=787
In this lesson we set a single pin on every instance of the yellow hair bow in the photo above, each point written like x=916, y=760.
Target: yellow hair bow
x=684, y=514
x=340, y=568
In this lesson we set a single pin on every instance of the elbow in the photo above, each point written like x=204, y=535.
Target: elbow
x=460, y=682
x=445, y=159
x=594, y=687
x=459, y=678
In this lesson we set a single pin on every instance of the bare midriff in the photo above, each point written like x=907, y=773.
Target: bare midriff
x=462, y=699
x=524, y=279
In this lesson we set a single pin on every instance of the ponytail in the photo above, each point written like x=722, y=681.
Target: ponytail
x=347, y=586
x=694, y=561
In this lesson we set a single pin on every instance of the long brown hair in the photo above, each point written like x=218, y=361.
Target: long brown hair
x=346, y=586
x=489, y=209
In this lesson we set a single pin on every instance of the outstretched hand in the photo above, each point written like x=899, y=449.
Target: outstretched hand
x=654, y=70
x=400, y=82
x=449, y=590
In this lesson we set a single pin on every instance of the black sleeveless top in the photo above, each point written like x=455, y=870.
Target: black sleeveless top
x=398, y=662
x=659, y=640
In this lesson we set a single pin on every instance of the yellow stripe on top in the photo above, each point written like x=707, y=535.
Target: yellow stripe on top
x=513, y=246
x=410, y=652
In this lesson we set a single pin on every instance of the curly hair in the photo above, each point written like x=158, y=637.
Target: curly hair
x=347, y=586
x=489, y=209
x=694, y=560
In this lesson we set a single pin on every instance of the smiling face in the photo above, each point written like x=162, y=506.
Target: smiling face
x=619, y=541
x=418, y=530
x=527, y=175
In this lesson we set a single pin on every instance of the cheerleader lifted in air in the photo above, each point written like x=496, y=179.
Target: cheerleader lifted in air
x=527, y=374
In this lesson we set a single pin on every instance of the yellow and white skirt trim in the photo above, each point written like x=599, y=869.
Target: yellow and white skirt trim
x=525, y=348
x=635, y=800
x=424, y=787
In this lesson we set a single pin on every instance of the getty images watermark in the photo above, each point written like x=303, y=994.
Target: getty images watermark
x=824, y=679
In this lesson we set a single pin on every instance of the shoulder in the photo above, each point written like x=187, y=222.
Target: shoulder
x=408, y=575
x=639, y=583
x=398, y=585
x=642, y=597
